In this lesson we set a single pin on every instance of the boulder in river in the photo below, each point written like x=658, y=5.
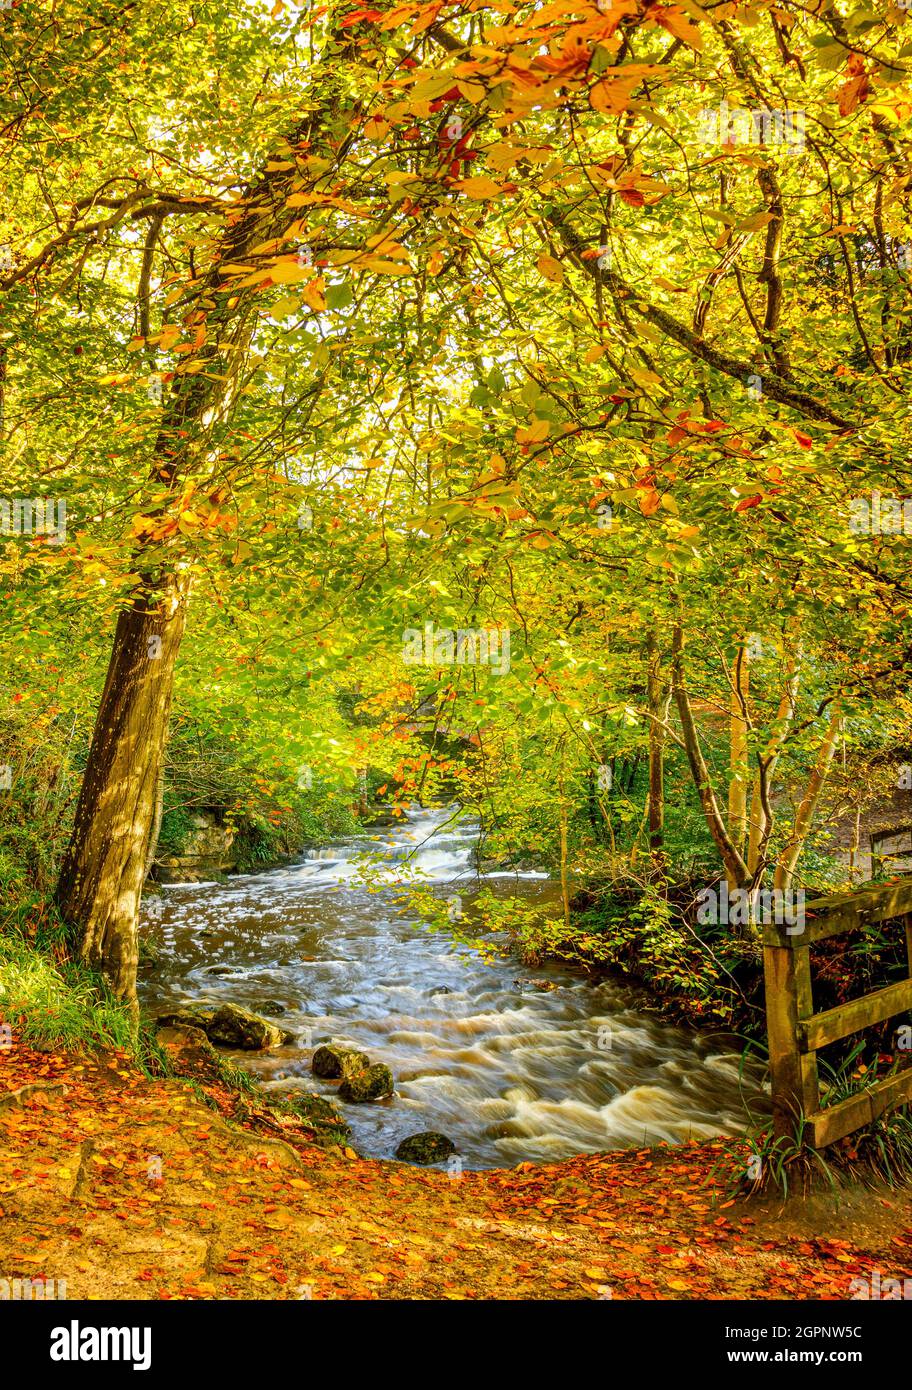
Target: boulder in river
x=228, y=1025
x=331, y=1061
x=427, y=1147
x=371, y=1083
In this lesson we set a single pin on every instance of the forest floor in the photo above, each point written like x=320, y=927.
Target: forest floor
x=239, y=1213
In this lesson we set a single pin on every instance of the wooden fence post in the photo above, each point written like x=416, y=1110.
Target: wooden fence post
x=793, y=1075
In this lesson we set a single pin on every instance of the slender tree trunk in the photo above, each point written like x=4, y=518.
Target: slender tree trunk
x=103, y=870
x=565, y=890
x=733, y=863
x=760, y=826
x=854, y=846
x=156, y=821
x=785, y=866
x=737, y=787
x=658, y=708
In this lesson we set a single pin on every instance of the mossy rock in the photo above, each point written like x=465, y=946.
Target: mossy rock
x=318, y=1113
x=189, y=1051
x=228, y=1025
x=317, y=1110
x=427, y=1147
x=331, y=1061
x=372, y=1083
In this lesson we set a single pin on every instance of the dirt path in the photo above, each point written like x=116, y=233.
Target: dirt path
x=240, y=1214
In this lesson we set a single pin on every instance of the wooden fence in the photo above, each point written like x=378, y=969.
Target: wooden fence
x=796, y=1032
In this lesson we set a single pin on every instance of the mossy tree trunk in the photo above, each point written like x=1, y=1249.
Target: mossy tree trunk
x=105, y=864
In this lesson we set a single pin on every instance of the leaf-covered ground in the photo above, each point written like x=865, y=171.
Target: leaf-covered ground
x=243, y=1213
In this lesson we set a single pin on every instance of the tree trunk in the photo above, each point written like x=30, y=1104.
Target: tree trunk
x=804, y=819
x=760, y=826
x=733, y=863
x=565, y=889
x=658, y=708
x=156, y=821
x=737, y=787
x=102, y=874
x=853, y=848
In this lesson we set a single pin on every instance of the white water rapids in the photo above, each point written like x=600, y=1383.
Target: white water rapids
x=509, y=1071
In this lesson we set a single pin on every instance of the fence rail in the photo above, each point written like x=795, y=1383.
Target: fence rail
x=796, y=1032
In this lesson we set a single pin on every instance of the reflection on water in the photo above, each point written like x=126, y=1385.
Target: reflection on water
x=508, y=1071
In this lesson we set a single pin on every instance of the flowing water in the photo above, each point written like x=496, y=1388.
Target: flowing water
x=510, y=1070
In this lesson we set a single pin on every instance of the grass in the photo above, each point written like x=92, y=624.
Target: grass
x=54, y=1002
x=51, y=1000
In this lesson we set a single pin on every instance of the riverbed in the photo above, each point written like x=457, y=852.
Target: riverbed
x=513, y=1064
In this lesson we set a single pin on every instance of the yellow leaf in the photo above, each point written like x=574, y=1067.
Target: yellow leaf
x=534, y=433
x=754, y=223
x=290, y=273
x=550, y=268
x=387, y=267
x=594, y=353
x=677, y=23
x=375, y=1277
x=375, y=128
x=612, y=95
x=285, y=306
x=480, y=186
x=315, y=295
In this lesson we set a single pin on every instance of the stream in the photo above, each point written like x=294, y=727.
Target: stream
x=512, y=1063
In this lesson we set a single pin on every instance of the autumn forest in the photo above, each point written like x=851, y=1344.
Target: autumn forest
x=455, y=721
